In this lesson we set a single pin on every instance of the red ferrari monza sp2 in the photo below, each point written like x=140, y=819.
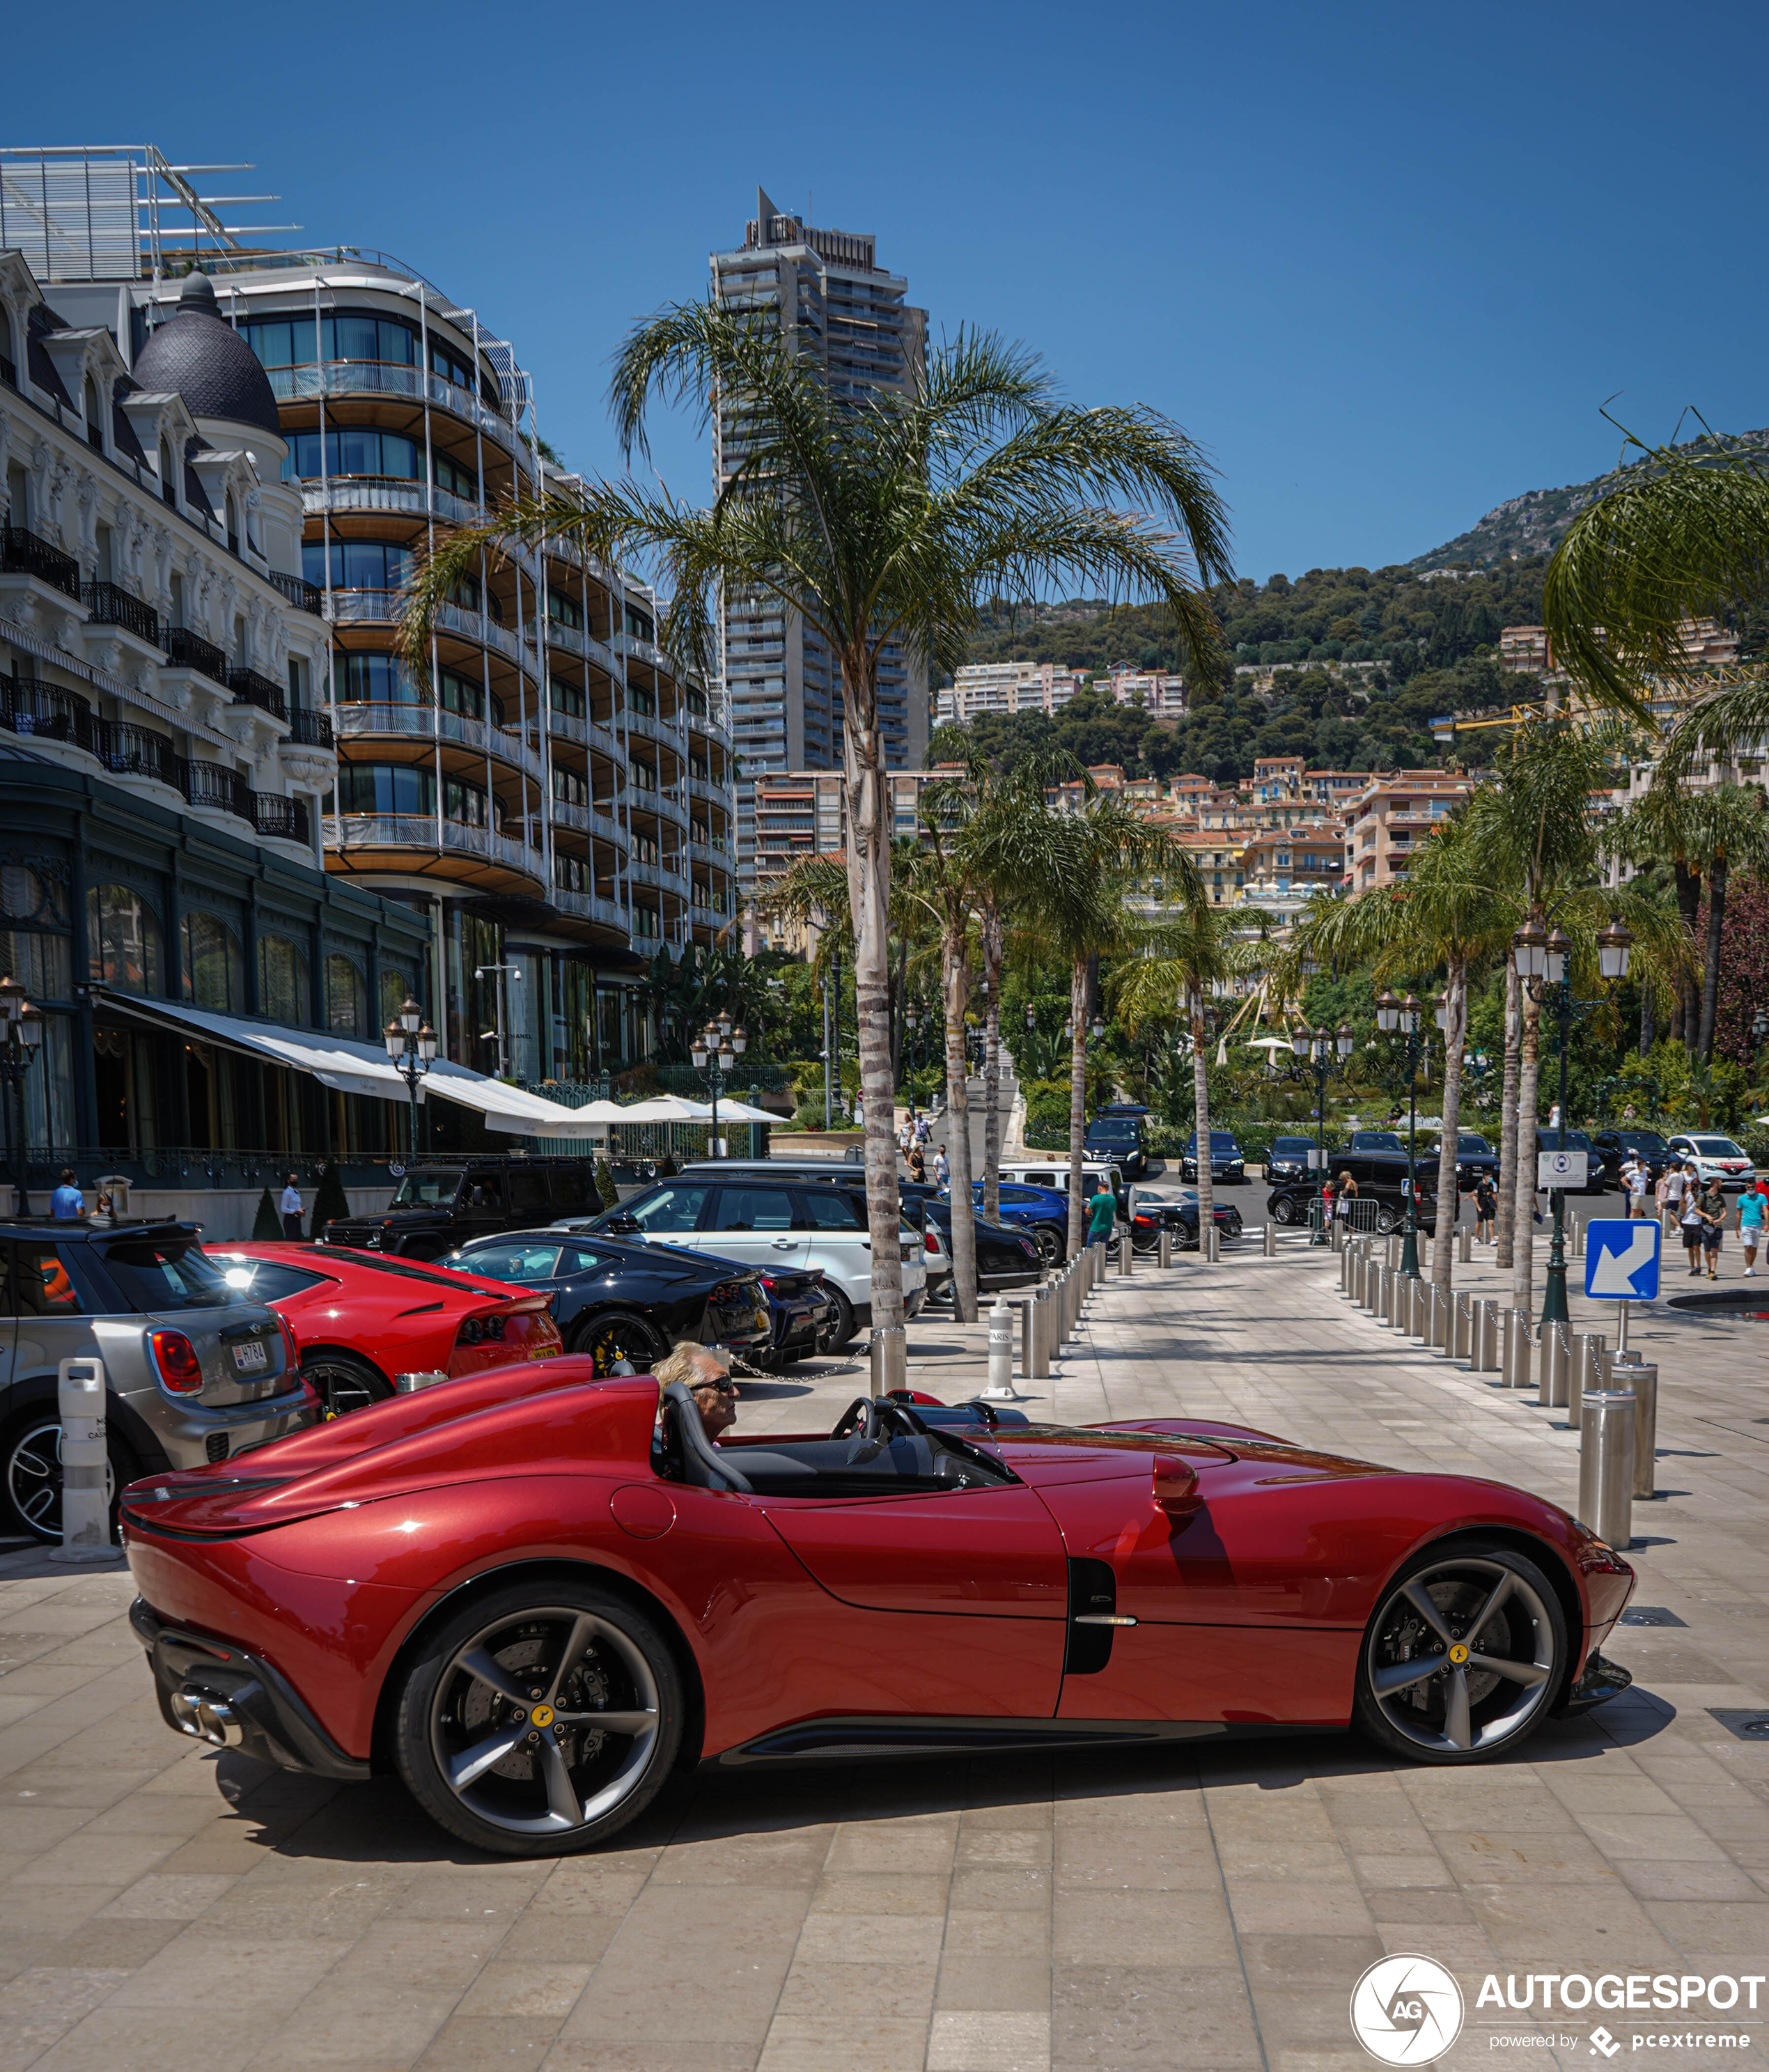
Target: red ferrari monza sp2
x=534, y=1595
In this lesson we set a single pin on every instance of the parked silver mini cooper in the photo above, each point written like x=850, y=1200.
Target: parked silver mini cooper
x=194, y=1371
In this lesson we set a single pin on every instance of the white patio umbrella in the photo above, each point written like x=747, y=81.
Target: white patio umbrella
x=1268, y=1043
x=660, y=1108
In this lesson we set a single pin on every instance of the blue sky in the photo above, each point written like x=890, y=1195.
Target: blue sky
x=1384, y=262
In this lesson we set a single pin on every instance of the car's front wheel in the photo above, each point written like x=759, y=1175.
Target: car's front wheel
x=1464, y=1656
x=1283, y=1210
x=1388, y=1222
x=618, y=1343
x=540, y=1719
x=1051, y=1246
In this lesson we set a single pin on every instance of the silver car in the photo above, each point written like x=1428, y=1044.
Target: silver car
x=194, y=1371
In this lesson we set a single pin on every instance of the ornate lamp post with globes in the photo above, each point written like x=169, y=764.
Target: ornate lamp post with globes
x=21, y=1036
x=412, y=1045
x=715, y=1052
x=1327, y=1052
x=1402, y=1017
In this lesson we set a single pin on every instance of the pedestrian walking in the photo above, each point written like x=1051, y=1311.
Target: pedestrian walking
x=66, y=1205
x=1102, y=1212
x=1753, y=1207
x=1625, y=1180
x=924, y=1129
x=1711, y=1202
x=288, y=1208
x=942, y=1167
x=1486, y=1208
x=918, y=1165
x=1344, y=1194
x=1661, y=1191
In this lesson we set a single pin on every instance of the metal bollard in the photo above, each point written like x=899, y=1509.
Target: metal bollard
x=1403, y=1307
x=1556, y=1363
x=1514, y=1360
x=1375, y=1275
x=1271, y=1240
x=1631, y=1372
x=1127, y=1255
x=1335, y=1234
x=1484, y=1352
x=1606, y=1465
x=1383, y=1308
x=1419, y=1324
x=1215, y=1236
x=1394, y=1252
x=85, y=1466
x=1465, y=1246
x=1442, y=1303
x=1164, y=1249
x=889, y=1350
x=1038, y=1364
x=1586, y=1377
x=1001, y=1352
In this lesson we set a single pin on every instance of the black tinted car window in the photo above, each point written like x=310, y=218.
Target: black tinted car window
x=670, y=1208
x=484, y=1192
x=517, y=1260
x=754, y=1209
x=427, y=1190
x=576, y=1259
x=154, y=1274
x=836, y=1210
x=529, y=1195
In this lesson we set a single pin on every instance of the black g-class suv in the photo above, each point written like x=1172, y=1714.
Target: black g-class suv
x=441, y=1202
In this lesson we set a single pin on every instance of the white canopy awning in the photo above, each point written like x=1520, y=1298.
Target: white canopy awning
x=349, y=1066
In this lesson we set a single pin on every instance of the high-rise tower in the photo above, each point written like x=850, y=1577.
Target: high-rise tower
x=832, y=299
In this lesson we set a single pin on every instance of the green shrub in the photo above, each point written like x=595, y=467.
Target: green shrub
x=605, y=1185
x=266, y=1223
x=331, y=1202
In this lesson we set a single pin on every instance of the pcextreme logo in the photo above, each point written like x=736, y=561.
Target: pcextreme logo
x=1406, y=2010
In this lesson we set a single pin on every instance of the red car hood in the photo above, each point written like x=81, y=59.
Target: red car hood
x=534, y=1417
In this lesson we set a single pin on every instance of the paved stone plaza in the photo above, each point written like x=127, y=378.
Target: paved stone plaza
x=1210, y=1910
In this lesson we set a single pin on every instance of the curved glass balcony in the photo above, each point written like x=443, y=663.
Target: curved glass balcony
x=389, y=377
x=419, y=830
x=434, y=723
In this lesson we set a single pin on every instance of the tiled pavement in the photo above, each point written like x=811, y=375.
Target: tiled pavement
x=161, y=1903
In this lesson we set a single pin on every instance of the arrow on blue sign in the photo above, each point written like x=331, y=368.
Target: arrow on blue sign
x=1622, y=1261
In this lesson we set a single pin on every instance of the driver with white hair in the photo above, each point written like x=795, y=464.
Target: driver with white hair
x=706, y=1373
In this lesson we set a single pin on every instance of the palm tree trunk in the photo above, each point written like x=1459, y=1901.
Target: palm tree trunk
x=1200, y=1110
x=1649, y=1018
x=1505, y=1224
x=954, y=987
x=1710, y=974
x=1688, y=902
x=993, y=947
x=869, y=896
x=1077, y=1100
x=1523, y=1201
x=1455, y=1029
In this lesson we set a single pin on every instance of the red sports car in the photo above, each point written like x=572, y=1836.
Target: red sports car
x=534, y=1595
x=360, y=1319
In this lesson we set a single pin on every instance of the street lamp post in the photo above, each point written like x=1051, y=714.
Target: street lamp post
x=1327, y=1052
x=21, y=1035
x=1545, y=962
x=497, y=972
x=715, y=1052
x=412, y=1045
x=1402, y=1017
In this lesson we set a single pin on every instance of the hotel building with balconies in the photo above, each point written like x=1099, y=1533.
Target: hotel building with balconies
x=830, y=298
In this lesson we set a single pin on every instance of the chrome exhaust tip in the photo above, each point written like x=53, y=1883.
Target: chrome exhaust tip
x=206, y=1718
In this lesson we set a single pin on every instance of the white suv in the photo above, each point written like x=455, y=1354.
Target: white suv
x=764, y=1222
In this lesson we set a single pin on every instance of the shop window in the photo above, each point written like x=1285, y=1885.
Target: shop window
x=214, y=966
x=347, y=997
x=282, y=981
x=123, y=940
x=396, y=986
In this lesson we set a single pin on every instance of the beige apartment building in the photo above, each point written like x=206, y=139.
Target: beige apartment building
x=1392, y=817
x=1161, y=696
x=1006, y=688
x=805, y=812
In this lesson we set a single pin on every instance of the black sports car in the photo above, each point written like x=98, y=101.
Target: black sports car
x=618, y=1301
x=806, y=1316
x=1004, y=1258
x=1176, y=1210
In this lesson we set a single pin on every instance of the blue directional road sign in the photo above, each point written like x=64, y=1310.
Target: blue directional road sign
x=1622, y=1261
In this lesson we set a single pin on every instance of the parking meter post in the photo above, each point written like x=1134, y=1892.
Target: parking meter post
x=1606, y=1465
x=1038, y=1326
x=1001, y=1352
x=85, y=1496
x=889, y=1350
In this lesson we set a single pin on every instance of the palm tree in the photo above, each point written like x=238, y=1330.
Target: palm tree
x=884, y=521
x=1185, y=959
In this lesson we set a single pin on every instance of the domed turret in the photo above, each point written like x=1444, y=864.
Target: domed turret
x=207, y=362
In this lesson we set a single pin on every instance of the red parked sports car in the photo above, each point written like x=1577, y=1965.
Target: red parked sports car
x=360, y=1319
x=534, y=1595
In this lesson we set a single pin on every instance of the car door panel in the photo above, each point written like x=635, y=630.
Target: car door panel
x=755, y=1225
x=1239, y=1675
x=832, y=1225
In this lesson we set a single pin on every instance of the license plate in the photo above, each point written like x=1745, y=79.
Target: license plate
x=253, y=1357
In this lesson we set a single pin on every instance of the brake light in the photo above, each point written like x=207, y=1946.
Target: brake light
x=174, y=1358
x=929, y=1241
x=478, y=1328
x=734, y=1291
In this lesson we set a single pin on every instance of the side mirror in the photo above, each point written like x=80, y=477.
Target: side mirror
x=1174, y=1486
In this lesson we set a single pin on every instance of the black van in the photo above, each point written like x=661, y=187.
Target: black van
x=442, y=1202
x=1381, y=1178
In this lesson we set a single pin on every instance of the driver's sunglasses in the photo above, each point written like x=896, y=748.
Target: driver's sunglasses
x=723, y=1382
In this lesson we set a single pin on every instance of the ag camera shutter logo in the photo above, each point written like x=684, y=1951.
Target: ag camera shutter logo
x=1406, y=2010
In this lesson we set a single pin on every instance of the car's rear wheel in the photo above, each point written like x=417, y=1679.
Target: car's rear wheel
x=30, y=1467
x=540, y=1719
x=342, y=1382
x=845, y=1326
x=1051, y=1246
x=1464, y=1656
x=1387, y=1221
x=619, y=1342
x=1283, y=1210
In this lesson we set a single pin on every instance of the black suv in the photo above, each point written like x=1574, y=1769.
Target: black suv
x=1613, y=1146
x=441, y=1203
x=1381, y=1178
x=1227, y=1162
x=1596, y=1177
x=1287, y=1159
x=1118, y=1136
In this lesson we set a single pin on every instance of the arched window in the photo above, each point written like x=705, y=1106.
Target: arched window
x=168, y=488
x=95, y=429
x=282, y=981
x=347, y=997
x=213, y=967
x=123, y=940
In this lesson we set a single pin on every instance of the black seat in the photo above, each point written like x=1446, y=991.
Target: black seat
x=690, y=1453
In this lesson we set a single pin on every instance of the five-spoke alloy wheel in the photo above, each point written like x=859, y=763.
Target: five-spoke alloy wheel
x=540, y=1719
x=1465, y=1654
